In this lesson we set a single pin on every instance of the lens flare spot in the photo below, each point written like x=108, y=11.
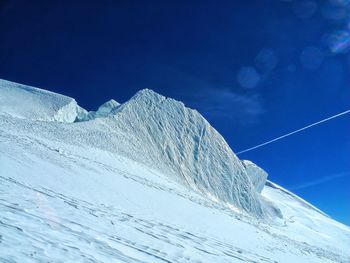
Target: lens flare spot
x=266, y=60
x=248, y=77
x=339, y=42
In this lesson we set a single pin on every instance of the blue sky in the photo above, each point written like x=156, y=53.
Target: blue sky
x=254, y=69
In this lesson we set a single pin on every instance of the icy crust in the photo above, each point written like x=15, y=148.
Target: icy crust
x=257, y=175
x=36, y=104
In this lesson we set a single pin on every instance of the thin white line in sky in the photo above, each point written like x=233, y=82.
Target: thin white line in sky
x=318, y=181
x=293, y=132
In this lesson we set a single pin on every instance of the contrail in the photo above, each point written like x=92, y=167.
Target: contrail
x=293, y=132
x=318, y=181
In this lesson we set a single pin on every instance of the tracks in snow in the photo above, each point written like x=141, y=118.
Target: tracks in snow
x=46, y=225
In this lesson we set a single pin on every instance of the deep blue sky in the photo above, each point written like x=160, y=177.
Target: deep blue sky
x=254, y=69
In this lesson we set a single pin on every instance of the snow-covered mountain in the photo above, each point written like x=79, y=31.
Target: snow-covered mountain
x=148, y=180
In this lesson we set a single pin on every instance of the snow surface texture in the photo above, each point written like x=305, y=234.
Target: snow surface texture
x=106, y=190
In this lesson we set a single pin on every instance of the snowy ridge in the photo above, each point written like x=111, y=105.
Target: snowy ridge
x=302, y=201
x=137, y=184
x=36, y=104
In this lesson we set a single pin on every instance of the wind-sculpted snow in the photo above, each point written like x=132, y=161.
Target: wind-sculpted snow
x=162, y=133
x=182, y=143
x=157, y=131
x=257, y=175
x=145, y=181
x=36, y=104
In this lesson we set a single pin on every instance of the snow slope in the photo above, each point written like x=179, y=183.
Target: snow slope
x=86, y=192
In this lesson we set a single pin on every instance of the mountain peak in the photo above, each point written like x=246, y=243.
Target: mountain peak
x=148, y=95
x=107, y=107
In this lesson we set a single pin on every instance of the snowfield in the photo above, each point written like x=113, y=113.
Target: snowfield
x=148, y=180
